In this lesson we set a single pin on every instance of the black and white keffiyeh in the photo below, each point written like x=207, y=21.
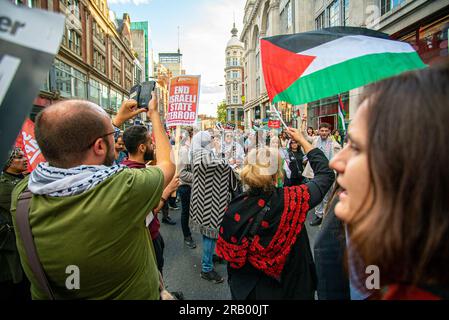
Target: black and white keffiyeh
x=57, y=182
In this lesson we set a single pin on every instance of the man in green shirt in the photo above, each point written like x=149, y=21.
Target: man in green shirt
x=88, y=215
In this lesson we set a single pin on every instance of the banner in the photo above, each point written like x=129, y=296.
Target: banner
x=274, y=124
x=183, y=101
x=27, y=142
x=29, y=40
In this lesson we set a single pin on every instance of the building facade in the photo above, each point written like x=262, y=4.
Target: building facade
x=422, y=23
x=162, y=78
x=173, y=62
x=234, y=80
x=140, y=40
x=95, y=61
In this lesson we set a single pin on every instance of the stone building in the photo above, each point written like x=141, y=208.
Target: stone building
x=234, y=79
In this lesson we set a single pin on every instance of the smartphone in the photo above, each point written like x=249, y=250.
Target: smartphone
x=142, y=93
x=146, y=88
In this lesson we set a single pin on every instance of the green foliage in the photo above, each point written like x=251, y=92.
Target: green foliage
x=221, y=112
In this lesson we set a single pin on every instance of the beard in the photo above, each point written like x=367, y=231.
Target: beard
x=110, y=156
x=149, y=155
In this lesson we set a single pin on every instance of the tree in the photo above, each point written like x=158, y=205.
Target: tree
x=221, y=112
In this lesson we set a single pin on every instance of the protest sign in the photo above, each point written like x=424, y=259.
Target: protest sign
x=27, y=142
x=183, y=101
x=29, y=40
x=274, y=124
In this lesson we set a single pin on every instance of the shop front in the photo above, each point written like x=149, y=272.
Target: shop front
x=429, y=37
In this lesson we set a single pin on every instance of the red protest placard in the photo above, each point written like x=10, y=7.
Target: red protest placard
x=275, y=124
x=27, y=142
x=183, y=101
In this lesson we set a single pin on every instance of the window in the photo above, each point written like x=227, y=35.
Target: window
x=320, y=21
x=116, y=51
x=228, y=62
x=286, y=18
x=99, y=33
x=235, y=74
x=235, y=99
x=346, y=12
x=128, y=83
x=228, y=74
x=235, y=86
x=114, y=99
x=94, y=91
x=235, y=62
x=104, y=96
x=334, y=14
x=70, y=82
x=29, y=3
x=257, y=61
x=77, y=46
x=116, y=75
x=388, y=5
x=257, y=87
x=99, y=61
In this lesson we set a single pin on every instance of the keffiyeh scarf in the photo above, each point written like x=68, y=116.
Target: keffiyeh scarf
x=57, y=182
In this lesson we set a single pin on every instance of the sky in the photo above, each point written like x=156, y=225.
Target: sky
x=205, y=28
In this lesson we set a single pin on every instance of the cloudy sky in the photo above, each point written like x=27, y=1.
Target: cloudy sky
x=205, y=28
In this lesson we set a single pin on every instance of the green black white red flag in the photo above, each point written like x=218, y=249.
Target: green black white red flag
x=305, y=67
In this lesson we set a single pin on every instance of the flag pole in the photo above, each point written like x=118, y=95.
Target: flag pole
x=279, y=115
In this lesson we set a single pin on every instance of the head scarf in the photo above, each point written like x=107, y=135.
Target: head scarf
x=201, y=141
x=14, y=154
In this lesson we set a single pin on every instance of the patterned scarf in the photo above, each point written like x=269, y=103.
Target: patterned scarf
x=57, y=182
x=327, y=147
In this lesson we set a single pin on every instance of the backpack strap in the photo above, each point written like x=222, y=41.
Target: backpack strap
x=24, y=229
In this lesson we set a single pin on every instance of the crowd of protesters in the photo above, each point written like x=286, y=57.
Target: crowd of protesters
x=378, y=200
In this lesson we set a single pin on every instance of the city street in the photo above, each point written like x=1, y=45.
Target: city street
x=182, y=265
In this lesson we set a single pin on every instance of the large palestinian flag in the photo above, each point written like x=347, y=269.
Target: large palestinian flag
x=305, y=67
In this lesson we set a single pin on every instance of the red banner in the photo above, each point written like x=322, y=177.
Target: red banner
x=275, y=124
x=183, y=101
x=27, y=142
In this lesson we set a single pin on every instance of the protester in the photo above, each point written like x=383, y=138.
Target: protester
x=185, y=188
x=394, y=196
x=310, y=132
x=13, y=283
x=329, y=147
x=211, y=193
x=337, y=137
x=138, y=143
x=88, y=214
x=284, y=141
x=233, y=151
x=295, y=164
x=262, y=235
x=119, y=149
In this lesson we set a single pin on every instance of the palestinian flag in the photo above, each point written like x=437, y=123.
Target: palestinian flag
x=341, y=115
x=305, y=67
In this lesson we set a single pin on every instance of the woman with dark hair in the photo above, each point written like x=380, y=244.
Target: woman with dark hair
x=262, y=236
x=337, y=137
x=295, y=163
x=394, y=192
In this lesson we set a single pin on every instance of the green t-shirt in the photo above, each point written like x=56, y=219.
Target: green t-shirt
x=101, y=231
